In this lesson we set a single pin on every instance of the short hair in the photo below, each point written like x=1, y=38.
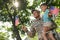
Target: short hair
x=35, y=10
x=43, y=4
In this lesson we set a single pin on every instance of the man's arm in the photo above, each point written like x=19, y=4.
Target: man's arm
x=30, y=33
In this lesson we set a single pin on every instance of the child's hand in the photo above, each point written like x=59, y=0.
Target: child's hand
x=50, y=15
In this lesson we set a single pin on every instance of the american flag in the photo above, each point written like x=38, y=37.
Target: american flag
x=16, y=20
x=54, y=10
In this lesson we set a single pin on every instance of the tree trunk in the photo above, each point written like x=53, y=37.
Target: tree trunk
x=15, y=30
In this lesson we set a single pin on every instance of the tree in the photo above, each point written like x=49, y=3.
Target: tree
x=8, y=16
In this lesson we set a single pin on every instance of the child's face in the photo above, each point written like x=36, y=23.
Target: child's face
x=43, y=7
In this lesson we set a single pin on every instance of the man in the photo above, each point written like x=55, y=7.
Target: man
x=36, y=26
x=48, y=24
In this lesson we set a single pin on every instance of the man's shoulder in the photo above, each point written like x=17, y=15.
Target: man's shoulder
x=33, y=21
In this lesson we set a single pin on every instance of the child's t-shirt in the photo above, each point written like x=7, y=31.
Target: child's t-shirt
x=45, y=17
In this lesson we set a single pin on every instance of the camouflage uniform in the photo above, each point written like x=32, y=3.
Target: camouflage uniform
x=36, y=26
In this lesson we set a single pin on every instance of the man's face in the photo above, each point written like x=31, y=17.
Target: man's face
x=35, y=14
x=43, y=7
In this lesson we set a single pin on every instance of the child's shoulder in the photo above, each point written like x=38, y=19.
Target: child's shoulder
x=47, y=10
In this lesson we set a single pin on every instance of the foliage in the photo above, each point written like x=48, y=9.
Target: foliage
x=8, y=11
x=3, y=36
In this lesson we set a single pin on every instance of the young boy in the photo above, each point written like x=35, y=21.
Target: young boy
x=47, y=25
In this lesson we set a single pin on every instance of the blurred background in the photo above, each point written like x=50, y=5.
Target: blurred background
x=15, y=13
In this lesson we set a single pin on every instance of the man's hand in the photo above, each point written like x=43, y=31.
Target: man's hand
x=24, y=28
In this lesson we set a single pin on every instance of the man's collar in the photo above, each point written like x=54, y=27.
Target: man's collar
x=38, y=18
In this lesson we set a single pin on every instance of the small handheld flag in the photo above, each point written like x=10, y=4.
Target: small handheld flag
x=16, y=20
x=54, y=10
